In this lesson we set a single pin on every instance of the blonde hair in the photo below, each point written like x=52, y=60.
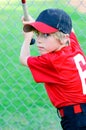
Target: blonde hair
x=60, y=36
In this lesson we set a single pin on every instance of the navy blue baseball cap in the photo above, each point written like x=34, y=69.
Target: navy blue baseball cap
x=50, y=21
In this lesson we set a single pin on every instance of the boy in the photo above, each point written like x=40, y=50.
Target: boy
x=61, y=65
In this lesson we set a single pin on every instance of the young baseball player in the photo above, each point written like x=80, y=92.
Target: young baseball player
x=61, y=65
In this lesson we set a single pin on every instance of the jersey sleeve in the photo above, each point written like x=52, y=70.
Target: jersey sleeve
x=74, y=41
x=41, y=69
x=73, y=37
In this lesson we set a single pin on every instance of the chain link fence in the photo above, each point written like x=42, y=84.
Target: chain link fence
x=24, y=105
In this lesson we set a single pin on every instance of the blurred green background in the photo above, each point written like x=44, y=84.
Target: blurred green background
x=24, y=105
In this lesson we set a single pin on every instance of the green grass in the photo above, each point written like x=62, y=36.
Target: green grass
x=24, y=105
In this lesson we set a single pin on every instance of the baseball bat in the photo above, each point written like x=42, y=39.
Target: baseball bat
x=26, y=16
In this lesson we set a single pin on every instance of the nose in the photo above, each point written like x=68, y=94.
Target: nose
x=39, y=40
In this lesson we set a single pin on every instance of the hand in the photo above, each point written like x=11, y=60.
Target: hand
x=26, y=22
x=28, y=36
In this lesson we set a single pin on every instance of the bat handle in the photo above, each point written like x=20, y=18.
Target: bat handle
x=32, y=41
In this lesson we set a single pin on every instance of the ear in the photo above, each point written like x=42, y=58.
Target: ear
x=65, y=39
x=67, y=35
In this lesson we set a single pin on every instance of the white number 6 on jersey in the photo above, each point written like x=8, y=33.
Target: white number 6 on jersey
x=81, y=66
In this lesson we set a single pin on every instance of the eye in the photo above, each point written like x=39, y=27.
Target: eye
x=43, y=35
x=46, y=35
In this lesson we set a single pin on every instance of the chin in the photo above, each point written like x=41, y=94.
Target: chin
x=42, y=53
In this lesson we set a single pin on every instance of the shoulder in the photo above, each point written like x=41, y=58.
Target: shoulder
x=74, y=41
x=39, y=60
x=73, y=37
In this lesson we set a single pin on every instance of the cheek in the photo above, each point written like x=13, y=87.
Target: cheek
x=51, y=46
x=52, y=43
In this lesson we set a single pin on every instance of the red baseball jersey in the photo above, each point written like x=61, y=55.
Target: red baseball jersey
x=63, y=74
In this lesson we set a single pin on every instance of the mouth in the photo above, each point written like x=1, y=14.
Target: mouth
x=40, y=48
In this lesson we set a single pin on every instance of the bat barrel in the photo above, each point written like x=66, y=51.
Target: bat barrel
x=26, y=16
x=23, y=1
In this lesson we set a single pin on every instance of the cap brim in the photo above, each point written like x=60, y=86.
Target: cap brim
x=41, y=27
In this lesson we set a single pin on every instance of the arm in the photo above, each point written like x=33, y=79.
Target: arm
x=25, y=49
